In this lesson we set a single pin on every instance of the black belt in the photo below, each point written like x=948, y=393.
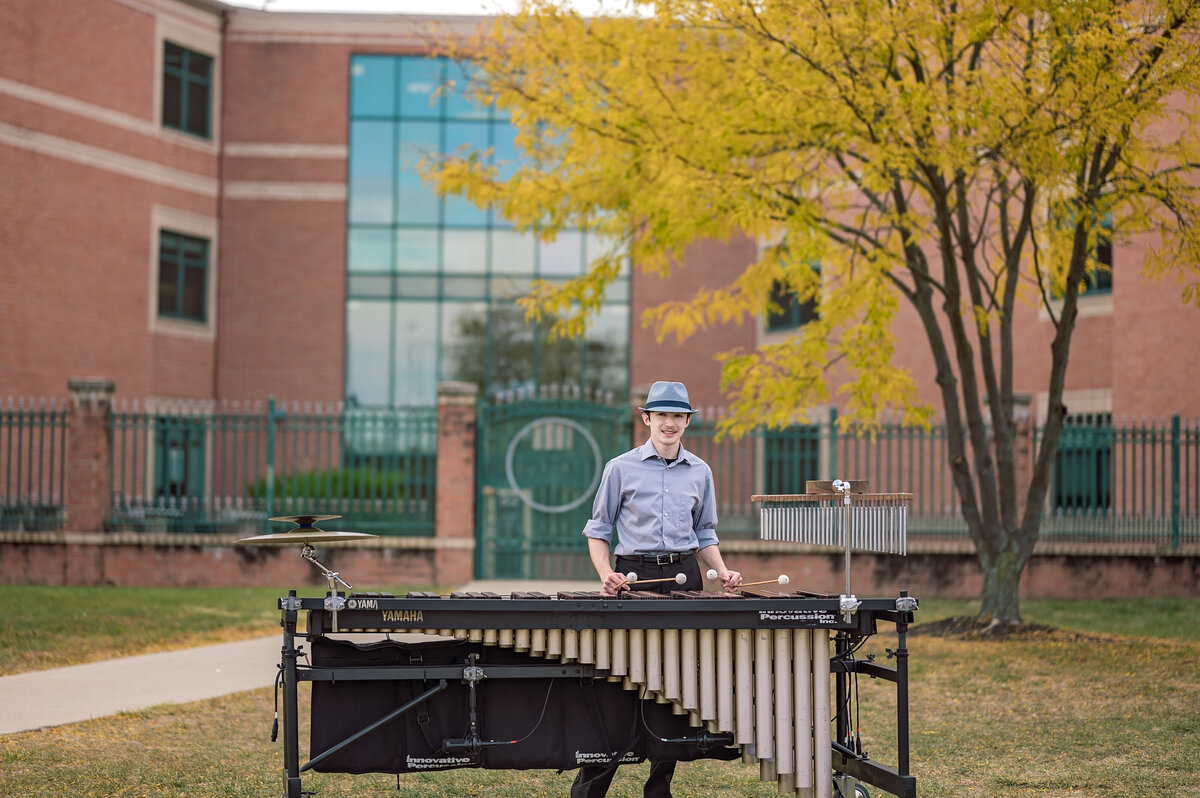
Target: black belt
x=661, y=557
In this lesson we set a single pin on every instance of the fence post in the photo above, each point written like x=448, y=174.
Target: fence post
x=270, y=497
x=1175, y=479
x=454, y=521
x=833, y=442
x=89, y=462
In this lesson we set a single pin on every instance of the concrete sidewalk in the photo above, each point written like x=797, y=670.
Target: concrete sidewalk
x=80, y=692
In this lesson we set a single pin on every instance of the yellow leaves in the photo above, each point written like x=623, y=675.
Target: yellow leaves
x=982, y=318
x=678, y=319
x=839, y=130
x=745, y=298
x=778, y=382
x=773, y=385
x=570, y=305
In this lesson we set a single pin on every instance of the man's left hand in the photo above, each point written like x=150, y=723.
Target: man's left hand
x=730, y=578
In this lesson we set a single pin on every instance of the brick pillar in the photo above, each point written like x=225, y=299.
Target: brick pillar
x=455, y=522
x=89, y=454
x=638, y=432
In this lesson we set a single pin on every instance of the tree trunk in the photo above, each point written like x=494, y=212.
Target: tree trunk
x=1001, y=585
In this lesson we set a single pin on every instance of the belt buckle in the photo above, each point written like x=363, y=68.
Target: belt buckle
x=658, y=558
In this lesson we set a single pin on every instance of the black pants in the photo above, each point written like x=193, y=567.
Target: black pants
x=592, y=781
x=689, y=567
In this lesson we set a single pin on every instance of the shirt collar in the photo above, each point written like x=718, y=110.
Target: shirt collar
x=647, y=451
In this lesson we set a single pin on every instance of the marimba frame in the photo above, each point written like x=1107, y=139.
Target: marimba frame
x=576, y=617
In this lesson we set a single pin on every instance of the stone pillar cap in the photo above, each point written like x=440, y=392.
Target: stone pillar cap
x=91, y=385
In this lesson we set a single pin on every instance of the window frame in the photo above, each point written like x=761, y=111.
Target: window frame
x=1102, y=281
x=186, y=82
x=793, y=315
x=183, y=265
x=198, y=35
x=195, y=226
x=1094, y=300
x=435, y=253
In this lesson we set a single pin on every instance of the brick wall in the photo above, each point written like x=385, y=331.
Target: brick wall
x=708, y=264
x=129, y=560
x=133, y=560
x=85, y=161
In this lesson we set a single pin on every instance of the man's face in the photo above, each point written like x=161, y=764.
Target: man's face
x=666, y=429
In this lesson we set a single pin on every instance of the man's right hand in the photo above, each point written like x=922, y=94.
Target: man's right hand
x=613, y=583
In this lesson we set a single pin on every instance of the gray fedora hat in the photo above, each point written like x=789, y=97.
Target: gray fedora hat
x=668, y=397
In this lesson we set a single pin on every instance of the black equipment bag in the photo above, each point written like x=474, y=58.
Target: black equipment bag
x=554, y=723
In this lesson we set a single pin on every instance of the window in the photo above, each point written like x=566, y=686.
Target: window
x=1097, y=279
x=187, y=90
x=1083, y=465
x=790, y=314
x=1100, y=280
x=786, y=311
x=431, y=279
x=182, y=276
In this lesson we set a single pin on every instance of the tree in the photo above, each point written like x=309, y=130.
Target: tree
x=955, y=156
x=499, y=350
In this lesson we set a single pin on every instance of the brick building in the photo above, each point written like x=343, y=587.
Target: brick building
x=139, y=137
x=208, y=202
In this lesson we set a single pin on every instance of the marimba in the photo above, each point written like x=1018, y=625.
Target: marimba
x=693, y=674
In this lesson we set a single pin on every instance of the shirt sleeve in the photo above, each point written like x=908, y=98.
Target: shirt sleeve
x=705, y=516
x=606, y=506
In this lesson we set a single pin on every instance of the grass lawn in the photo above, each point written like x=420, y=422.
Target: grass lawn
x=49, y=627
x=1105, y=705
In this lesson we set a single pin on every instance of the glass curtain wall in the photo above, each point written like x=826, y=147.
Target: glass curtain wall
x=431, y=281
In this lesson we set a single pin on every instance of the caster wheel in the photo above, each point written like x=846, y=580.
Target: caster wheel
x=842, y=789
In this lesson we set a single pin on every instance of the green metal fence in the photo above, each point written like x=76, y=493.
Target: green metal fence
x=207, y=467
x=33, y=456
x=1124, y=482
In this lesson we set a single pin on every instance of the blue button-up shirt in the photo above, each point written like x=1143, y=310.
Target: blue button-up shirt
x=653, y=506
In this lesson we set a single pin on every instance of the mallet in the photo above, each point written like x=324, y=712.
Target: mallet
x=631, y=577
x=782, y=579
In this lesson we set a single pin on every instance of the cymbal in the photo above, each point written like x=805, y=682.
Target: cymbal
x=304, y=520
x=303, y=535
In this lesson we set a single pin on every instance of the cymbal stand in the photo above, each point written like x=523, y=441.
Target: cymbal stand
x=333, y=602
x=848, y=602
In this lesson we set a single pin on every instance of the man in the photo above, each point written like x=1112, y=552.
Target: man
x=660, y=502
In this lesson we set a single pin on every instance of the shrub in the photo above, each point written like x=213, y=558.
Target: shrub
x=333, y=483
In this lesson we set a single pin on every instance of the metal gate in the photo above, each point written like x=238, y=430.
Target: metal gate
x=539, y=463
